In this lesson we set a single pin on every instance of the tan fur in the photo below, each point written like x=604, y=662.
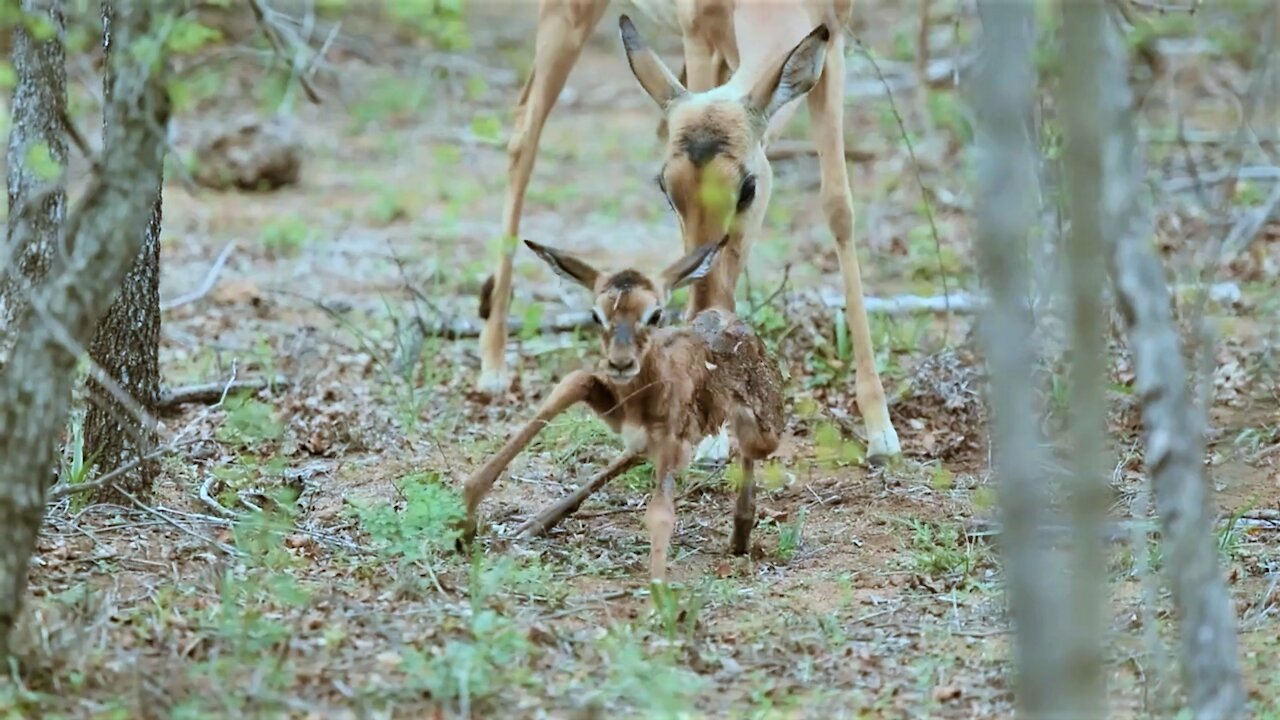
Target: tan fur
x=715, y=131
x=678, y=385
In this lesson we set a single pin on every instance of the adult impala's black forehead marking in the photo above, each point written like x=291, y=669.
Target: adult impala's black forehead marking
x=702, y=143
x=628, y=280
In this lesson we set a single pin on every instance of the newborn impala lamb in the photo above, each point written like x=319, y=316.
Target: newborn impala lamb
x=663, y=388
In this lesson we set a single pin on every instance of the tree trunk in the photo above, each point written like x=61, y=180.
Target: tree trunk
x=37, y=195
x=1172, y=426
x=1006, y=207
x=127, y=348
x=1084, y=30
x=103, y=237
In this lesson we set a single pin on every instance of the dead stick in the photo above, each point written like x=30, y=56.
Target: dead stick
x=212, y=392
x=789, y=149
x=549, y=518
x=210, y=279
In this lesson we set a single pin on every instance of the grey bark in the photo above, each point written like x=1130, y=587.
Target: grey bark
x=1172, y=426
x=103, y=233
x=1007, y=206
x=37, y=205
x=1085, y=30
x=127, y=348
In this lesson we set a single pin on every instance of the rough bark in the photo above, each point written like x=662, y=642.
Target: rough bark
x=103, y=239
x=1084, y=28
x=127, y=348
x=37, y=202
x=1172, y=427
x=1002, y=95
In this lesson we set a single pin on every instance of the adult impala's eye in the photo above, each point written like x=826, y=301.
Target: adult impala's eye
x=746, y=193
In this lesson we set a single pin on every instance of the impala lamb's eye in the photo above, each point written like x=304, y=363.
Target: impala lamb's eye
x=597, y=316
x=655, y=317
x=746, y=193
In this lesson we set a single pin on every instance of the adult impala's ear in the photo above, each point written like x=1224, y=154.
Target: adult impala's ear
x=653, y=74
x=566, y=266
x=693, y=266
x=794, y=76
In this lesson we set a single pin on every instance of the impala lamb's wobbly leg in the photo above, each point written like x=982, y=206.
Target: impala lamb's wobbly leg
x=744, y=513
x=563, y=28
x=578, y=387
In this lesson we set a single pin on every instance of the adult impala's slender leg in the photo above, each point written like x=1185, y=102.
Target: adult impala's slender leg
x=563, y=29
x=826, y=110
x=578, y=386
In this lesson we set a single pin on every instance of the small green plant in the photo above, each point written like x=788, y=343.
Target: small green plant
x=249, y=422
x=286, y=235
x=423, y=529
x=677, y=610
x=790, y=535
x=940, y=549
x=649, y=681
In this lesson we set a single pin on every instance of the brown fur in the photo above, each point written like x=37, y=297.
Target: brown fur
x=677, y=385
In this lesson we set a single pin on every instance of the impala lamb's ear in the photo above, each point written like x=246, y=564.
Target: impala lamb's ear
x=794, y=76
x=693, y=266
x=654, y=76
x=566, y=266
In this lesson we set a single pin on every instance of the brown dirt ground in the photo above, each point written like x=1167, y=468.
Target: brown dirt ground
x=874, y=612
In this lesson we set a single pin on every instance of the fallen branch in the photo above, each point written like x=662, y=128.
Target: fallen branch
x=549, y=518
x=207, y=498
x=939, y=72
x=570, y=321
x=207, y=393
x=1122, y=530
x=791, y=149
x=960, y=303
x=206, y=285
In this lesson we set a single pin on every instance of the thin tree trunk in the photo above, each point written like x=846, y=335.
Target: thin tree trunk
x=1172, y=426
x=37, y=196
x=1085, y=24
x=127, y=348
x=1006, y=209
x=35, y=390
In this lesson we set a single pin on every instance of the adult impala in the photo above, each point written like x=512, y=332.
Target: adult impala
x=747, y=62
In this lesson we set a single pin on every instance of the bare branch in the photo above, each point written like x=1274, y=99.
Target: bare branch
x=1086, y=26
x=1173, y=429
x=206, y=285
x=281, y=38
x=1006, y=204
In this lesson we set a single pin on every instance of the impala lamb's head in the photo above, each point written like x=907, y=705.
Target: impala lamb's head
x=715, y=174
x=629, y=304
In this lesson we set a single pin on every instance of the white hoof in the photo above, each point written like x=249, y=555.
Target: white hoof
x=883, y=446
x=713, y=450
x=493, y=382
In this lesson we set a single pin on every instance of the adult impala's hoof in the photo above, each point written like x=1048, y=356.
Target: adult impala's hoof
x=493, y=382
x=713, y=450
x=883, y=447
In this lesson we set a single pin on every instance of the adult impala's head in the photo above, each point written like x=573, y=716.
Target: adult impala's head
x=714, y=173
x=628, y=304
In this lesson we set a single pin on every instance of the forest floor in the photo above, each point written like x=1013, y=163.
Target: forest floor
x=869, y=593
